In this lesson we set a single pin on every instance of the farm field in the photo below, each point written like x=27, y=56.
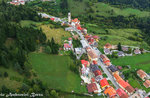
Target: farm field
x=108, y=10
x=54, y=71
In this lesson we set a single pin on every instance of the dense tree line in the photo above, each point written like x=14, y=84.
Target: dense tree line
x=17, y=13
x=23, y=39
x=140, y=4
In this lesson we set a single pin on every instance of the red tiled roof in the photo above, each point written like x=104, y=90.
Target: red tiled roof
x=67, y=45
x=108, y=45
x=94, y=62
x=75, y=20
x=84, y=62
x=91, y=53
x=122, y=93
x=95, y=37
x=93, y=79
x=141, y=73
x=130, y=89
x=110, y=91
x=104, y=83
x=91, y=87
x=147, y=83
x=117, y=77
x=52, y=19
x=97, y=72
x=69, y=38
x=123, y=83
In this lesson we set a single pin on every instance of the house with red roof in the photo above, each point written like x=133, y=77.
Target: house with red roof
x=147, y=83
x=92, y=80
x=122, y=93
x=129, y=89
x=123, y=84
x=92, y=88
x=85, y=63
x=105, y=59
x=110, y=91
x=67, y=47
x=108, y=46
x=91, y=54
x=52, y=19
x=142, y=74
x=104, y=83
x=97, y=73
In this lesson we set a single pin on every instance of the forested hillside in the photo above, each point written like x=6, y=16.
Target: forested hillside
x=140, y=4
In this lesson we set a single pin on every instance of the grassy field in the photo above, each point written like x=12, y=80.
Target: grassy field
x=107, y=10
x=77, y=7
x=58, y=34
x=114, y=36
x=11, y=84
x=136, y=62
x=54, y=70
x=27, y=23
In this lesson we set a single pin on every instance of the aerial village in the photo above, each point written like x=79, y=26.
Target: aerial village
x=99, y=75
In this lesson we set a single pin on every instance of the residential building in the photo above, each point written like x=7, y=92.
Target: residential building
x=92, y=88
x=122, y=93
x=120, y=54
x=85, y=63
x=110, y=91
x=104, y=83
x=91, y=54
x=78, y=50
x=137, y=51
x=107, y=51
x=130, y=90
x=125, y=48
x=108, y=46
x=84, y=43
x=147, y=83
x=142, y=74
x=113, y=68
x=67, y=47
x=105, y=59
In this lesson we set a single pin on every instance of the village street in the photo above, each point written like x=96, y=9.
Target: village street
x=100, y=63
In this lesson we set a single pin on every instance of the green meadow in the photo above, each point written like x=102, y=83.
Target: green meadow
x=108, y=10
x=136, y=62
x=54, y=71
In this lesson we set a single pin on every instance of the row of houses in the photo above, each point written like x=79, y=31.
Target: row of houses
x=145, y=77
x=93, y=75
x=109, y=49
x=17, y=2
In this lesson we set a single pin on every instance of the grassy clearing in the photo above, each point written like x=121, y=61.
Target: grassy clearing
x=114, y=36
x=136, y=62
x=107, y=10
x=57, y=34
x=55, y=72
x=78, y=7
x=27, y=23
x=11, y=84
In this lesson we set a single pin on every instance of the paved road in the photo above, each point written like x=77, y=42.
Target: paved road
x=100, y=63
x=109, y=75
